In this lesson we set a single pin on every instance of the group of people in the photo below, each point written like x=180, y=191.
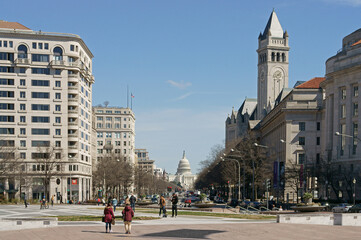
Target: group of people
x=127, y=213
x=162, y=205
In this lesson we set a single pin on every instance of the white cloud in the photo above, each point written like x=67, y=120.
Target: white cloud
x=183, y=96
x=180, y=85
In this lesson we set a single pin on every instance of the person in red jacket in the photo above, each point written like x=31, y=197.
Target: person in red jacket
x=109, y=215
x=128, y=215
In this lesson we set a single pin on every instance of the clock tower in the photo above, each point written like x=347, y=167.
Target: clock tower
x=272, y=65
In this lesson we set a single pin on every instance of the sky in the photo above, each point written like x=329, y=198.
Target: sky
x=188, y=62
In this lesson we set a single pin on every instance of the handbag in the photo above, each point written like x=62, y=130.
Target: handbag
x=113, y=221
x=103, y=219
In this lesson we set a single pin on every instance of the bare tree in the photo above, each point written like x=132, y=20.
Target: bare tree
x=49, y=163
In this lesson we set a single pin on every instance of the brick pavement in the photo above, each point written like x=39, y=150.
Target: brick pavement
x=242, y=231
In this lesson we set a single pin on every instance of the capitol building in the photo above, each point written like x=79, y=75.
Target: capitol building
x=184, y=175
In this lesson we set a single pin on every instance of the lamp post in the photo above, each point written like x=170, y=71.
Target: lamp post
x=244, y=176
x=239, y=175
x=354, y=190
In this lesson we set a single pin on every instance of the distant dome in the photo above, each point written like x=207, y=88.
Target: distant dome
x=183, y=166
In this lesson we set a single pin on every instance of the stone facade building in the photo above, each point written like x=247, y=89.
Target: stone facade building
x=45, y=112
x=143, y=162
x=342, y=107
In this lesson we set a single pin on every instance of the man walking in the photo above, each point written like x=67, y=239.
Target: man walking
x=115, y=202
x=52, y=200
x=132, y=200
x=162, y=206
x=174, y=204
x=26, y=204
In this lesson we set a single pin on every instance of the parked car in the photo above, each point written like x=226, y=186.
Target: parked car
x=342, y=207
x=155, y=200
x=355, y=208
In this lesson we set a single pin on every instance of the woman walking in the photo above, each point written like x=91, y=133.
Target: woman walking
x=108, y=217
x=128, y=215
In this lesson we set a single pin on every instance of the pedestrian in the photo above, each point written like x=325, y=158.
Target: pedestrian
x=52, y=200
x=132, y=200
x=61, y=199
x=128, y=215
x=114, y=202
x=26, y=204
x=174, y=204
x=103, y=201
x=162, y=206
x=99, y=201
x=127, y=201
x=108, y=217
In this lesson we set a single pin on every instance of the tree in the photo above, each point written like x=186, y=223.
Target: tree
x=49, y=163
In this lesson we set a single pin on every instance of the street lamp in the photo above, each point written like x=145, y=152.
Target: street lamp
x=354, y=190
x=346, y=135
x=239, y=175
x=244, y=176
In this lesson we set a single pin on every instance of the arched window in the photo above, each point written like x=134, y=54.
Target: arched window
x=22, y=51
x=283, y=57
x=278, y=57
x=58, y=53
x=273, y=56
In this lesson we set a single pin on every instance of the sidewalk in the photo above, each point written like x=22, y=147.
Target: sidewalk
x=242, y=231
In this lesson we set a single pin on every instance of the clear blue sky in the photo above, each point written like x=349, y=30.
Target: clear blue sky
x=188, y=62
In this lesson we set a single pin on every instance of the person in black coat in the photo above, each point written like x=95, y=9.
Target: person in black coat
x=174, y=204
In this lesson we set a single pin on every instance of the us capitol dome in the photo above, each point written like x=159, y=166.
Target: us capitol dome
x=184, y=175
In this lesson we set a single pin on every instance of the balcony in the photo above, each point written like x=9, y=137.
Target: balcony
x=73, y=65
x=75, y=111
x=22, y=62
x=73, y=147
x=73, y=88
x=57, y=64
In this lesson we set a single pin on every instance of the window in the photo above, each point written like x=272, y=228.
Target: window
x=22, y=70
x=342, y=138
x=72, y=48
x=22, y=95
x=108, y=111
x=99, y=134
x=58, y=53
x=40, y=107
x=5, y=43
x=34, y=45
x=7, y=94
x=355, y=109
x=343, y=111
x=22, y=143
x=40, y=45
x=6, y=118
x=318, y=126
x=57, y=155
x=57, y=119
x=22, y=131
x=109, y=118
x=46, y=45
x=301, y=141
x=11, y=44
x=22, y=107
x=40, y=119
x=6, y=131
x=125, y=151
x=6, y=106
x=36, y=143
x=40, y=95
x=6, y=56
x=99, y=118
x=343, y=93
x=40, y=131
x=355, y=91
x=57, y=108
x=4, y=81
x=302, y=126
x=22, y=82
x=57, y=96
x=58, y=132
x=40, y=58
x=45, y=71
x=57, y=144
x=22, y=155
x=22, y=119
x=301, y=158
x=355, y=136
x=40, y=83
x=22, y=52
x=57, y=72
x=6, y=69
x=57, y=84
x=318, y=141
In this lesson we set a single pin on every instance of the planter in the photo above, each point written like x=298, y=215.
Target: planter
x=204, y=205
x=308, y=201
x=308, y=208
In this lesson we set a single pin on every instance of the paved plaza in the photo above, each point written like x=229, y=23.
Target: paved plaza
x=182, y=227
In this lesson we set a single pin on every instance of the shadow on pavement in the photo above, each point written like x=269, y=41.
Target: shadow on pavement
x=184, y=233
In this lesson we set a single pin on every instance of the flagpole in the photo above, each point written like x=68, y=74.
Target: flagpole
x=131, y=101
x=127, y=96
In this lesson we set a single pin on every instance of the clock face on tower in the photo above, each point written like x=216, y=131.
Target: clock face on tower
x=277, y=76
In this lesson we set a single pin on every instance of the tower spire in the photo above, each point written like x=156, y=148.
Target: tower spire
x=184, y=154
